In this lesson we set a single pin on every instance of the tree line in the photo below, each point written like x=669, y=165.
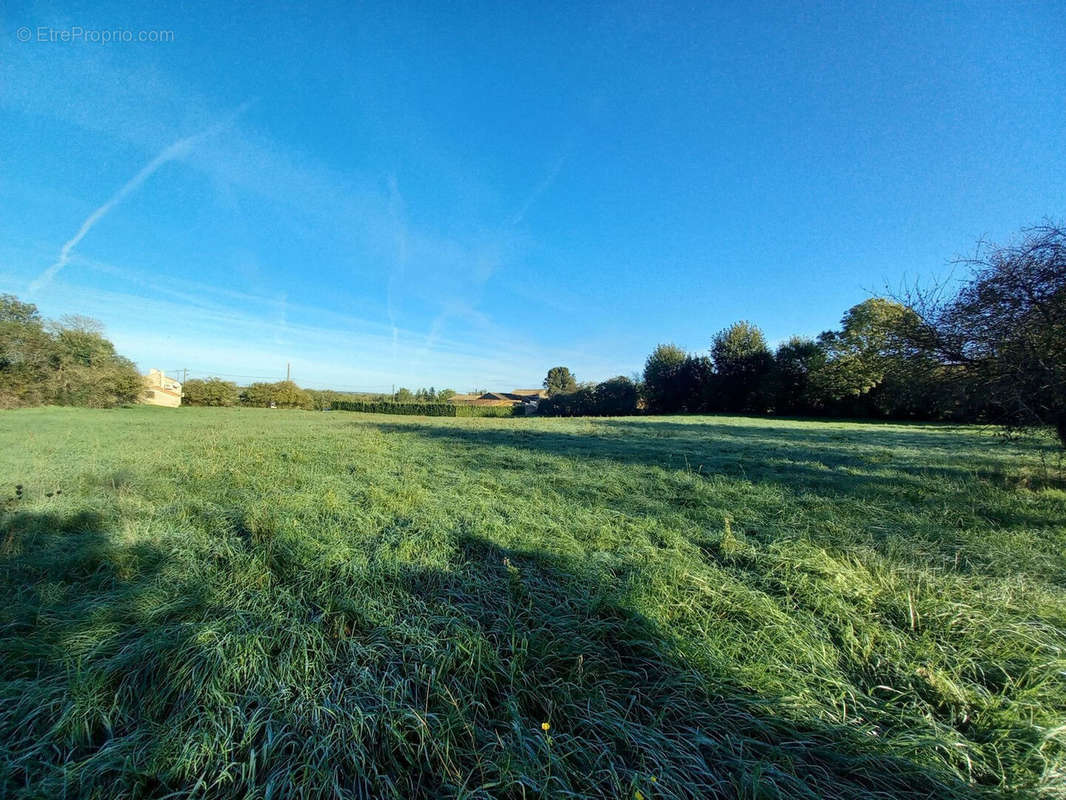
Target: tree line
x=286, y=394
x=865, y=369
x=993, y=350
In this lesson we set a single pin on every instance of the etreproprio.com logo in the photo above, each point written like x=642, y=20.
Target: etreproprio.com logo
x=79, y=34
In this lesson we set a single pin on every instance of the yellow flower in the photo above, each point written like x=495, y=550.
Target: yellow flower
x=544, y=726
x=654, y=779
x=637, y=795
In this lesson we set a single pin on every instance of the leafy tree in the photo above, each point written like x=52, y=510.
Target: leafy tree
x=86, y=370
x=873, y=355
x=283, y=394
x=445, y=395
x=581, y=402
x=742, y=362
x=14, y=310
x=403, y=396
x=560, y=381
x=26, y=351
x=794, y=363
x=80, y=340
x=69, y=362
x=616, y=397
x=697, y=384
x=209, y=392
x=288, y=395
x=258, y=394
x=1004, y=331
x=662, y=378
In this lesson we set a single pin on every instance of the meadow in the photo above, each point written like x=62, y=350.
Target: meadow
x=265, y=603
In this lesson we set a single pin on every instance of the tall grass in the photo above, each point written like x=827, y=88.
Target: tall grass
x=234, y=602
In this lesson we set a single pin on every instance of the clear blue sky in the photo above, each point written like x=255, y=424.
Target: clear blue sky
x=461, y=194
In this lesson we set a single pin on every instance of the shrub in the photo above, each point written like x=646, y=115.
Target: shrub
x=209, y=392
x=390, y=407
x=611, y=398
x=105, y=385
x=488, y=411
x=69, y=362
x=616, y=397
x=580, y=403
x=323, y=399
x=283, y=394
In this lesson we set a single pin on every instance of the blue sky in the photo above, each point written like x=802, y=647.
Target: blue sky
x=468, y=194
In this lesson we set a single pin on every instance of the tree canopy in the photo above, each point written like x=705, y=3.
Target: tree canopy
x=67, y=362
x=1005, y=328
x=560, y=381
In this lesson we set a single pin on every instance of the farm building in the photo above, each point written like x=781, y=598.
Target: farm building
x=161, y=390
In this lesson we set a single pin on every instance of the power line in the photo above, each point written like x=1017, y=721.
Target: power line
x=378, y=389
x=213, y=374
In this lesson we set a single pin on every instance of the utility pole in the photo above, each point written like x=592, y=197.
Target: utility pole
x=184, y=374
x=287, y=365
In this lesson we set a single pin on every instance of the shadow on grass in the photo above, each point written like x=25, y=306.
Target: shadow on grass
x=81, y=619
x=127, y=672
x=865, y=467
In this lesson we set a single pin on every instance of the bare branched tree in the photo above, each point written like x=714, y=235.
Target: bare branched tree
x=1005, y=329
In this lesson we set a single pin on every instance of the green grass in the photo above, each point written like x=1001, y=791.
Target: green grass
x=257, y=603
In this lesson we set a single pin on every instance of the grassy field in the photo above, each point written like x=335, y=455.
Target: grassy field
x=256, y=603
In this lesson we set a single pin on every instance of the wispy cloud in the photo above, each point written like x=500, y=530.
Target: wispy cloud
x=538, y=190
x=170, y=153
x=434, y=269
x=219, y=331
x=396, y=214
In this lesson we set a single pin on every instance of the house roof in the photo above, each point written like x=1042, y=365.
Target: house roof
x=517, y=396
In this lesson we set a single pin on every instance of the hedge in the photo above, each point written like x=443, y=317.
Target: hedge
x=424, y=409
x=388, y=407
x=489, y=411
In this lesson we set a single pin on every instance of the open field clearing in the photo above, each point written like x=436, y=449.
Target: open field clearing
x=257, y=603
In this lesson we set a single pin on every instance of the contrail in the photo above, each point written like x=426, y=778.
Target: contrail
x=396, y=215
x=174, y=151
x=541, y=188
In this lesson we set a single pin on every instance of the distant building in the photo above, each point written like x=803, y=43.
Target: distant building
x=161, y=390
x=533, y=394
x=518, y=396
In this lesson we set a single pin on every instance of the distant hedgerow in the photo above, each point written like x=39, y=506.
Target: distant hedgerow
x=425, y=409
x=388, y=407
x=489, y=411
